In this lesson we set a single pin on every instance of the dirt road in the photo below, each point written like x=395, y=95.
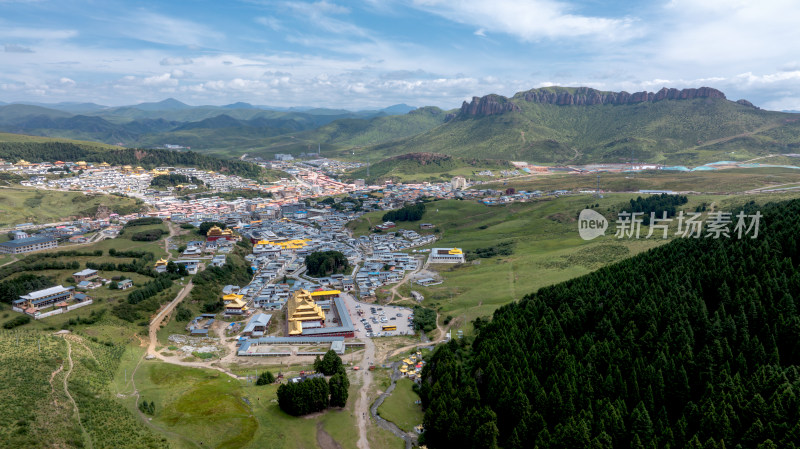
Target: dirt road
x=362, y=404
x=155, y=324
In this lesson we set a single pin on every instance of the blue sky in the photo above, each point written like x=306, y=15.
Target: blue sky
x=374, y=53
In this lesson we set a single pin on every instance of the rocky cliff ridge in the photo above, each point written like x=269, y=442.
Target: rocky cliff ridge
x=583, y=96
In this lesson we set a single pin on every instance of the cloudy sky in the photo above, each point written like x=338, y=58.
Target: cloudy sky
x=374, y=53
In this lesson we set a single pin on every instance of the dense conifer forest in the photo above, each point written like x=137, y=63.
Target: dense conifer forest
x=695, y=344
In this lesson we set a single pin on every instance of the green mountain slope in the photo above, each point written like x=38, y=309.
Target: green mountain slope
x=666, y=131
x=425, y=167
x=348, y=133
x=693, y=344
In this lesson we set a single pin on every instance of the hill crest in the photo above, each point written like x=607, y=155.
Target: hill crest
x=580, y=96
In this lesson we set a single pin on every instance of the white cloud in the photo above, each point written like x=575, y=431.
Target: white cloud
x=66, y=82
x=35, y=34
x=176, y=61
x=14, y=48
x=160, y=80
x=529, y=20
x=270, y=22
x=160, y=29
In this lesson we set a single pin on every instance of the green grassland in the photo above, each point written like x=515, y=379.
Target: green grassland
x=418, y=167
x=735, y=180
x=195, y=406
x=17, y=138
x=35, y=410
x=400, y=407
x=27, y=205
x=546, y=247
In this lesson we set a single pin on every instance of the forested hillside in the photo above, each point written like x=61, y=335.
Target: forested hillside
x=695, y=344
x=67, y=151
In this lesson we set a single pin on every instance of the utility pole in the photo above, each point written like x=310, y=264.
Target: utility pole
x=597, y=193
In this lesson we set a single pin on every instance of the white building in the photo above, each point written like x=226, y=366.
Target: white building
x=446, y=255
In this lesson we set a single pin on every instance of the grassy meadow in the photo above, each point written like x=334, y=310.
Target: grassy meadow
x=400, y=407
x=205, y=408
x=717, y=181
x=28, y=205
x=546, y=247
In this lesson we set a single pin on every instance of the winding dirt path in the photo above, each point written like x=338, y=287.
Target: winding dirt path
x=52, y=387
x=84, y=433
x=172, y=233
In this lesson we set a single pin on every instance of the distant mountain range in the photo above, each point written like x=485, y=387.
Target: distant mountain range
x=553, y=125
x=170, y=122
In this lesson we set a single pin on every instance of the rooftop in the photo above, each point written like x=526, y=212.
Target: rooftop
x=46, y=292
x=27, y=241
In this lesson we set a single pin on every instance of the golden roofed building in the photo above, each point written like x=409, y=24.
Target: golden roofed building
x=81, y=163
x=289, y=244
x=127, y=168
x=162, y=262
x=302, y=308
x=215, y=233
x=22, y=163
x=105, y=164
x=233, y=297
x=235, y=305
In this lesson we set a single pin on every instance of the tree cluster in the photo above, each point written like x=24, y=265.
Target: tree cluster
x=265, y=378
x=149, y=289
x=424, y=319
x=23, y=284
x=325, y=263
x=150, y=235
x=18, y=320
x=144, y=221
x=235, y=194
x=658, y=204
x=38, y=262
x=501, y=249
x=302, y=398
x=148, y=408
x=145, y=255
x=412, y=212
x=695, y=344
x=140, y=266
x=174, y=179
x=330, y=364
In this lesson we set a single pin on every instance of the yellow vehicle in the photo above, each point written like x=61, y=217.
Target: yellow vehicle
x=389, y=328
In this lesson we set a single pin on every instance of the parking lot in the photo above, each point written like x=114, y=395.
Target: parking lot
x=371, y=319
